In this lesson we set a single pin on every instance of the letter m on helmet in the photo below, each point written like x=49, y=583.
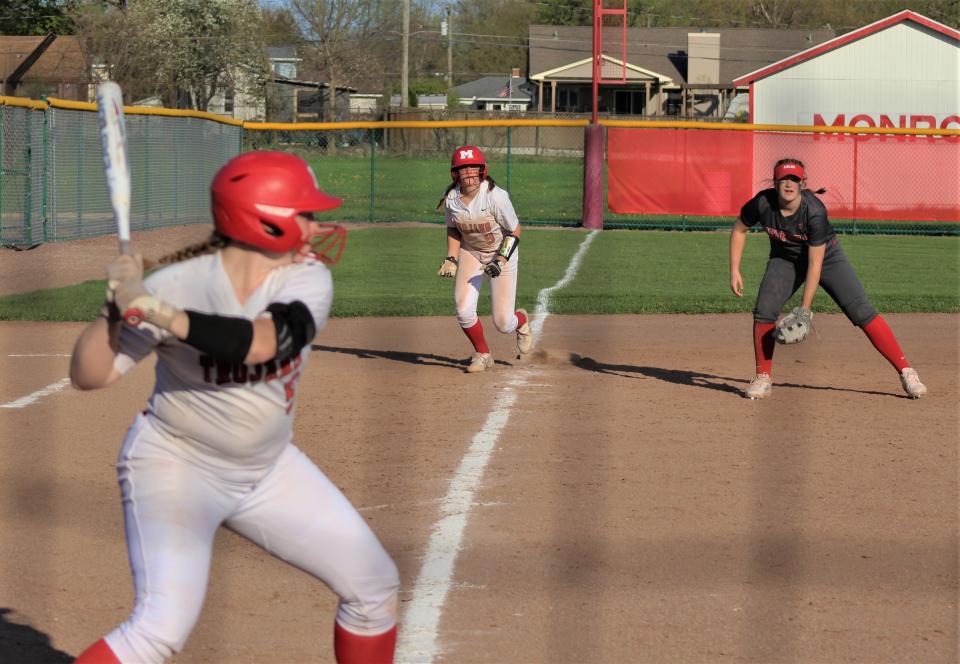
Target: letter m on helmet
x=466, y=154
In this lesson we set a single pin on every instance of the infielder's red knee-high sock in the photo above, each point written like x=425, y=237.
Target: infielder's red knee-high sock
x=351, y=648
x=763, y=345
x=881, y=336
x=521, y=319
x=98, y=653
x=475, y=335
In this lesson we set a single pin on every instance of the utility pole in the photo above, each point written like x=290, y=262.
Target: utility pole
x=404, y=78
x=449, y=46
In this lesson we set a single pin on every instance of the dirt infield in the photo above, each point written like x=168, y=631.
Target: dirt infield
x=634, y=509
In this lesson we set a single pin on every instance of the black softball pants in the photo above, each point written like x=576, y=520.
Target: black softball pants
x=783, y=277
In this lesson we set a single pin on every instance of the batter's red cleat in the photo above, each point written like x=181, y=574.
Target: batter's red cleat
x=911, y=383
x=760, y=387
x=480, y=362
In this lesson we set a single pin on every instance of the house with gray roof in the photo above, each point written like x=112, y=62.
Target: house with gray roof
x=668, y=71
x=496, y=93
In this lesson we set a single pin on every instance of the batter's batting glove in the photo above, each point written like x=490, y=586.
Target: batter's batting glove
x=136, y=305
x=795, y=326
x=448, y=268
x=493, y=268
x=151, y=309
x=122, y=269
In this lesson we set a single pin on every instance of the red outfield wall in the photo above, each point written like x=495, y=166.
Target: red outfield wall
x=714, y=172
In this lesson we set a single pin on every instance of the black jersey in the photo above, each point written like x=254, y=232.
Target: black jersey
x=790, y=236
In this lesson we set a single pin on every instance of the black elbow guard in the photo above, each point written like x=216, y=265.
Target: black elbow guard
x=224, y=338
x=295, y=328
x=508, y=245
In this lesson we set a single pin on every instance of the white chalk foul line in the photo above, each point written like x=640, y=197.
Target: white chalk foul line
x=418, y=629
x=23, y=402
x=39, y=355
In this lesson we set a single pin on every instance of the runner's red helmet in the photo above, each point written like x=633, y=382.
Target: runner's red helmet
x=256, y=197
x=468, y=155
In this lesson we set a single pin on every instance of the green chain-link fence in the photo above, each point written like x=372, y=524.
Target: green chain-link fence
x=52, y=186
x=399, y=173
x=22, y=144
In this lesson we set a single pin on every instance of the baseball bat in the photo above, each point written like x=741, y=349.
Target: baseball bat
x=113, y=142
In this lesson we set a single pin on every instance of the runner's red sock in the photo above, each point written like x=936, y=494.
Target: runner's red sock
x=350, y=648
x=475, y=335
x=521, y=319
x=763, y=345
x=881, y=336
x=98, y=653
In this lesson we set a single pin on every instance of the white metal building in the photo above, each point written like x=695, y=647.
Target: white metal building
x=902, y=71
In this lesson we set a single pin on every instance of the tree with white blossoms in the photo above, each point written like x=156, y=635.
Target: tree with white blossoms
x=204, y=46
x=183, y=51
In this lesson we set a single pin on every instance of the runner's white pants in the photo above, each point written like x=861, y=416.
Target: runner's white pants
x=503, y=292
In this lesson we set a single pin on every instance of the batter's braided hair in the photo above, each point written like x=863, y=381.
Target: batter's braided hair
x=454, y=184
x=208, y=246
x=791, y=160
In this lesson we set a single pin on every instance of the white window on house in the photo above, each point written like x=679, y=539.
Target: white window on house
x=228, y=100
x=285, y=69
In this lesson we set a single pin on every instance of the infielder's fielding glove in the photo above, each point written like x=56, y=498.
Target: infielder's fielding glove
x=448, y=268
x=795, y=326
x=493, y=268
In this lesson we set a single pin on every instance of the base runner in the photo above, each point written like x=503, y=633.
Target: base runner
x=483, y=234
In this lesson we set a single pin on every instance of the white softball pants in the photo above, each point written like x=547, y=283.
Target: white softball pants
x=172, y=510
x=503, y=292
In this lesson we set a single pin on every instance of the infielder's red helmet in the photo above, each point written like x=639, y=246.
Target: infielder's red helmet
x=468, y=155
x=257, y=196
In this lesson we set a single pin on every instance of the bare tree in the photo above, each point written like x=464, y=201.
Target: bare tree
x=341, y=34
x=777, y=13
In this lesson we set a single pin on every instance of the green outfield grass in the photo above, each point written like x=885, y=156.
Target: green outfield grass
x=390, y=271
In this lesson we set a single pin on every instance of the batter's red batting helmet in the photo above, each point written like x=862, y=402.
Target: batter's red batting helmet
x=257, y=196
x=468, y=155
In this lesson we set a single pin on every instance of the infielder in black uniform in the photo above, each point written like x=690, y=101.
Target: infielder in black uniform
x=804, y=251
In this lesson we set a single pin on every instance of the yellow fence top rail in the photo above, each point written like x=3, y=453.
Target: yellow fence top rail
x=434, y=124
x=739, y=126
x=409, y=124
x=23, y=103
x=145, y=110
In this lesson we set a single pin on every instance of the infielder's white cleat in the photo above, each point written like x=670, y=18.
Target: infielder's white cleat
x=479, y=362
x=911, y=383
x=760, y=387
x=524, y=334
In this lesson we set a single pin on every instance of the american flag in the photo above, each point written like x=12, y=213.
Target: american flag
x=506, y=90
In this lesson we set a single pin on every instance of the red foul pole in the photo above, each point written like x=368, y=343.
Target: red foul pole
x=593, y=138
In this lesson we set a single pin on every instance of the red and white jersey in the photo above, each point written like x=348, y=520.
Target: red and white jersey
x=225, y=415
x=483, y=221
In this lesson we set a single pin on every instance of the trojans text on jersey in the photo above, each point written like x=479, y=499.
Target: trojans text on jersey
x=221, y=373
x=485, y=227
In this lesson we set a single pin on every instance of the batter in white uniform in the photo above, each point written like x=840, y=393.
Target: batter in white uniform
x=483, y=234
x=232, y=332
